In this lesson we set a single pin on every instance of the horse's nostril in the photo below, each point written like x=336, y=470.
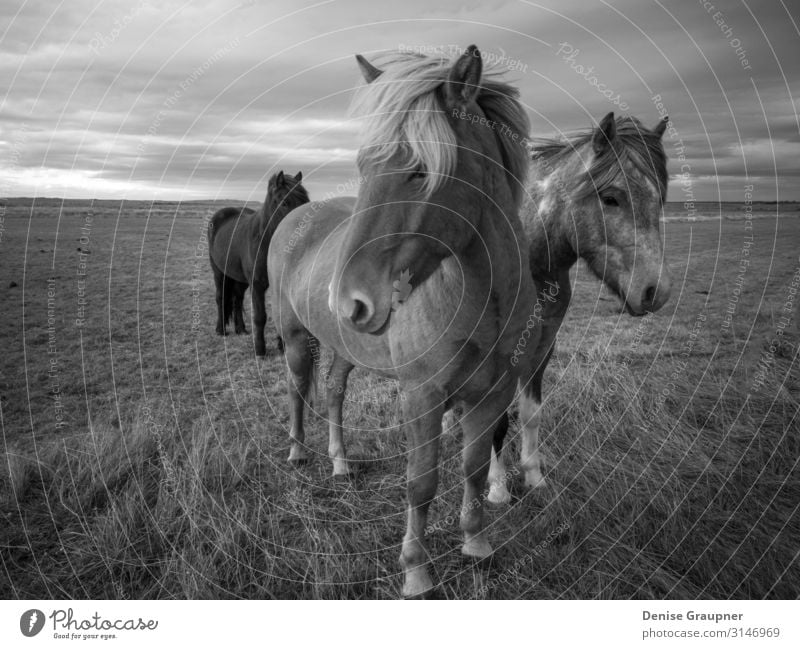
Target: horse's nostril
x=362, y=312
x=359, y=308
x=649, y=297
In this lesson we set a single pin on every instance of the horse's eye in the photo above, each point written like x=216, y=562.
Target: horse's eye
x=417, y=174
x=610, y=201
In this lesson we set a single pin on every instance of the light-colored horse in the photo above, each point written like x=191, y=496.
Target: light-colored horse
x=598, y=196
x=424, y=277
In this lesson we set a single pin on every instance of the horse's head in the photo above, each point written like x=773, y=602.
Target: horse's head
x=615, y=180
x=432, y=155
x=628, y=172
x=285, y=192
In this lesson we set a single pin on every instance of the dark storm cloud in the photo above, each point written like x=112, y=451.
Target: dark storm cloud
x=206, y=99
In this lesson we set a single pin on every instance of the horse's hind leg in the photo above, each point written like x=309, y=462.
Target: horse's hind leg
x=479, y=423
x=238, y=307
x=300, y=360
x=259, y=317
x=498, y=475
x=335, y=387
x=219, y=283
x=422, y=415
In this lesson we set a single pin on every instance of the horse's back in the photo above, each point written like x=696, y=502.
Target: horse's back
x=301, y=259
x=306, y=227
x=228, y=231
x=307, y=238
x=226, y=218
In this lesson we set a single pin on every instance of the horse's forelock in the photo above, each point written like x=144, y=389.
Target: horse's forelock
x=633, y=143
x=403, y=114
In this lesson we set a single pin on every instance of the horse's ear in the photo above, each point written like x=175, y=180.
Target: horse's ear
x=279, y=179
x=369, y=71
x=661, y=127
x=605, y=134
x=299, y=176
x=464, y=80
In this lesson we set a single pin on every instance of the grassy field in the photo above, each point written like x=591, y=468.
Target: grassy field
x=143, y=456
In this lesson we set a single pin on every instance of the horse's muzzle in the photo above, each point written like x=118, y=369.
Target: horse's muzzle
x=357, y=310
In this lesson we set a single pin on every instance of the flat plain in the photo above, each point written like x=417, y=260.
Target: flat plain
x=145, y=457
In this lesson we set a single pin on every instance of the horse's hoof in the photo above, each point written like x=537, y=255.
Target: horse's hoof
x=343, y=469
x=498, y=495
x=433, y=593
x=477, y=547
x=418, y=585
x=534, y=479
x=342, y=479
x=298, y=456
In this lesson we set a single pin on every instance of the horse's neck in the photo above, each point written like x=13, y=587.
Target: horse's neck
x=501, y=233
x=267, y=217
x=549, y=227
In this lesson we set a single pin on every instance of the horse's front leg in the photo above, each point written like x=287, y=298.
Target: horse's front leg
x=530, y=408
x=530, y=416
x=479, y=423
x=238, y=308
x=555, y=297
x=422, y=418
x=498, y=475
x=335, y=388
x=530, y=419
x=300, y=363
x=259, y=317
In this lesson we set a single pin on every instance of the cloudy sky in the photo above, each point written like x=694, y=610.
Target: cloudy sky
x=163, y=99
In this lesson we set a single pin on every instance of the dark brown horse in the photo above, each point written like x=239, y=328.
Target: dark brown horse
x=238, y=240
x=598, y=196
x=423, y=277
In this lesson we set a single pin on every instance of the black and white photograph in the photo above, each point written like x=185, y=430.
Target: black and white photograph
x=359, y=300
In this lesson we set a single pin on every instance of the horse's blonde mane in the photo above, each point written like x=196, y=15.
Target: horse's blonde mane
x=633, y=142
x=402, y=110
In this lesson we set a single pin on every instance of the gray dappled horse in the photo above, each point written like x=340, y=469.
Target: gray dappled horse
x=597, y=196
